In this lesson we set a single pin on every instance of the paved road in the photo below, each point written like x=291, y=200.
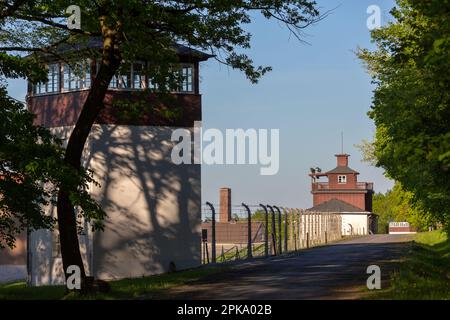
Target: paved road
x=336, y=271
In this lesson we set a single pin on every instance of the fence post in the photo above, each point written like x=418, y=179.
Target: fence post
x=304, y=227
x=321, y=234
x=307, y=228
x=280, y=251
x=317, y=228
x=310, y=230
x=274, y=237
x=303, y=234
x=285, y=230
x=249, y=231
x=266, y=234
x=307, y=240
x=207, y=253
x=328, y=222
x=292, y=229
x=299, y=229
x=213, y=232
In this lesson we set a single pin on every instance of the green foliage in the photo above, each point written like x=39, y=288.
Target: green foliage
x=397, y=205
x=424, y=274
x=147, y=30
x=141, y=288
x=31, y=172
x=411, y=104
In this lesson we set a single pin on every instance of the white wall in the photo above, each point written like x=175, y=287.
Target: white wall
x=356, y=224
x=153, y=207
x=46, y=262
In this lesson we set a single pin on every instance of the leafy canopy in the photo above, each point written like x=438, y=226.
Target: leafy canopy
x=147, y=30
x=397, y=205
x=31, y=171
x=411, y=103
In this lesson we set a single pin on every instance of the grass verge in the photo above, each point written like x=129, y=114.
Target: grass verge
x=138, y=288
x=425, y=272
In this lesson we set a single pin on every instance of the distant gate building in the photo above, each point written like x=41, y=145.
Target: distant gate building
x=342, y=194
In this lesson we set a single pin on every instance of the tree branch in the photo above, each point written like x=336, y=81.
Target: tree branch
x=56, y=25
x=10, y=9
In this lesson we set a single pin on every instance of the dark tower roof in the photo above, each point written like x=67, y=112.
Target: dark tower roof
x=96, y=43
x=342, y=170
x=335, y=205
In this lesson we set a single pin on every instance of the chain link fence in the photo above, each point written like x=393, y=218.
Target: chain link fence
x=263, y=230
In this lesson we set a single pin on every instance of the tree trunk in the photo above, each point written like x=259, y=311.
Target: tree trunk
x=67, y=224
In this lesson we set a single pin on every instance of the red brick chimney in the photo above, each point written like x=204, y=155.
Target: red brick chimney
x=225, y=205
x=342, y=160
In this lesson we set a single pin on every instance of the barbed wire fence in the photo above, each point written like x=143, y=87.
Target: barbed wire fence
x=264, y=230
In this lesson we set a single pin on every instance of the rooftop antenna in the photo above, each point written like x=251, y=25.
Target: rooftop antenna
x=342, y=142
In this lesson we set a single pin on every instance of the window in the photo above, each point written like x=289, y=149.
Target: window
x=152, y=86
x=134, y=77
x=188, y=79
x=121, y=81
x=187, y=83
x=77, y=76
x=138, y=76
x=40, y=88
x=52, y=85
x=342, y=179
x=53, y=78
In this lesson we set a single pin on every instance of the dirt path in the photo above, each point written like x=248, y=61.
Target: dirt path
x=336, y=271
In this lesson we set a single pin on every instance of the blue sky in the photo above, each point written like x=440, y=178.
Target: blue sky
x=314, y=92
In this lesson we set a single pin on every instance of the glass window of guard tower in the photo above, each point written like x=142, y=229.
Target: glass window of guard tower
x=76, y=76
x=52, y=85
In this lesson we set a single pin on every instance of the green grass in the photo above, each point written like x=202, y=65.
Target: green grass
x=425, y=273
x=20, y=291
x=151, y=287
x=231, y=255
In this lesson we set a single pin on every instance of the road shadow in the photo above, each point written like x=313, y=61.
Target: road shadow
x=337, y=271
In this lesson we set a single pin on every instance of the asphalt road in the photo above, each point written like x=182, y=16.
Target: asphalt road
x=336, y=271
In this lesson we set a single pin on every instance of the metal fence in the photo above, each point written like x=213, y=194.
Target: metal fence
x=264, y=230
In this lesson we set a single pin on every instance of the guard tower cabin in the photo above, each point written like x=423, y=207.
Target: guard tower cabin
x=342, y=185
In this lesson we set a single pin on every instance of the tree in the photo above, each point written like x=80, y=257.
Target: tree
x=397, y=205
x=411, y=103
x=31, y=164
x=131, y=30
